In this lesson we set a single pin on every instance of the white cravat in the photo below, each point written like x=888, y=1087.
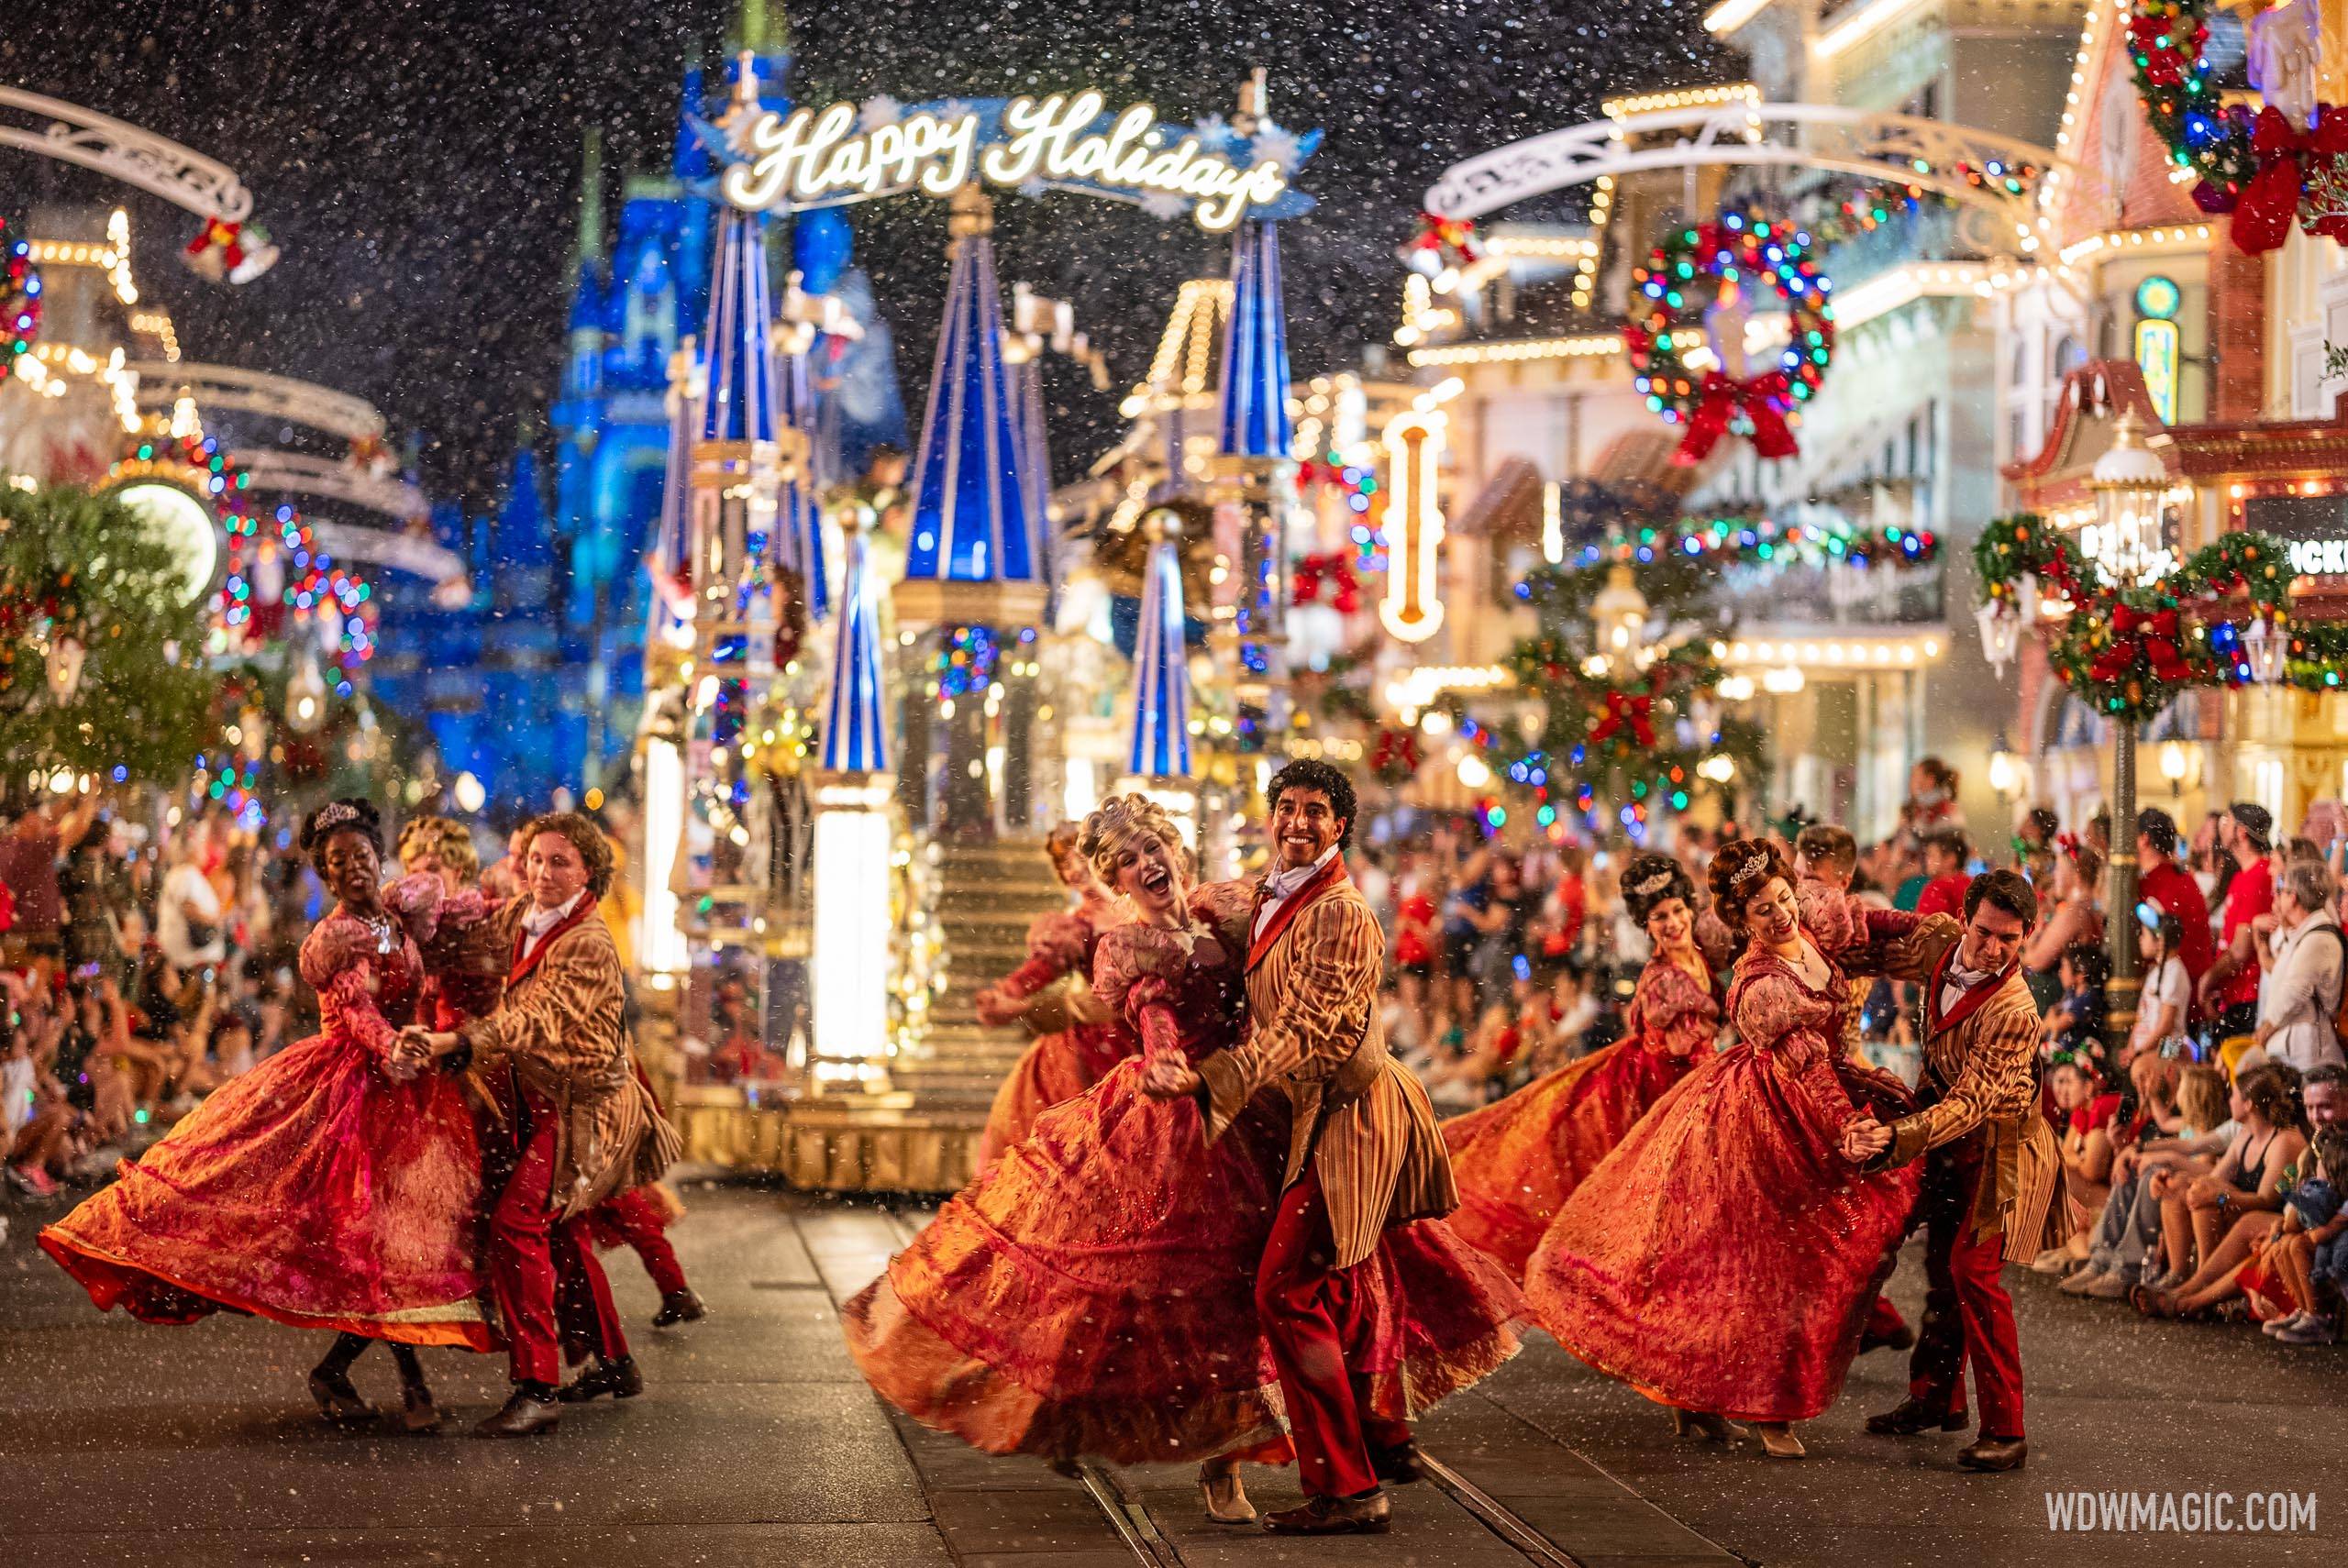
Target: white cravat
x=537, y=921
x=1284, y=884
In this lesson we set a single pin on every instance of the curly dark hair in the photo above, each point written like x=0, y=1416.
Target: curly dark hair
x=2273, y=1090
x=585, y=836
x=1309, y=773
x=1740, y=869
x=352, y=814
x=1653, y=880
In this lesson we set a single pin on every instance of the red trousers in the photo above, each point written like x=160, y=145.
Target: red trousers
x=1883, y=1318
x=1968, y=1316
x=550, y=1287
x=635, y=1218
x=1314, y=1321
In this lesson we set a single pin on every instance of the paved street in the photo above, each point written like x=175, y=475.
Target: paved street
x=757, y=1444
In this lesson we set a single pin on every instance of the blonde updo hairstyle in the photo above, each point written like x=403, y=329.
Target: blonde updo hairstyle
x=1122, y=822
x=1740, y=870
x=443, y=838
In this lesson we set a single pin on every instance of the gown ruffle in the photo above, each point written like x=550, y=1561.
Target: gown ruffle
x=1724, y=1256
x=314, y=1191
x=1517, y=1160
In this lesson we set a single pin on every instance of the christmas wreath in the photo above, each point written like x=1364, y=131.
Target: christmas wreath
x=2254, y=164
x=19, y=297
x=1705, y=271
x=2129, y=652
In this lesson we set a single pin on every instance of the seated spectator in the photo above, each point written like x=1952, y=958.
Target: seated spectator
x=2085, y=1127
x=2174, y=1139
x=2209, y=1229
x=2309, y=1255
x=2075, y=1024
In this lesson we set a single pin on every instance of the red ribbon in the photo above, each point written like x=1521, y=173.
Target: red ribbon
x=1441, y=234
x=2268, y=205
x=2157, y=632
x=1622, y=709
x=1723, y=396
x=1334, y=569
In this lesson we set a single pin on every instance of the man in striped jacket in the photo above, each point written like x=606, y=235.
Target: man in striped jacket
x=1364, y=1151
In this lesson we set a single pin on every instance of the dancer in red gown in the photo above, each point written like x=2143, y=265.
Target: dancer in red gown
x=327, y=1187
x=1094, y=1293
x=1517, y=1160
x=1723, y=1258
x=1061, y=1063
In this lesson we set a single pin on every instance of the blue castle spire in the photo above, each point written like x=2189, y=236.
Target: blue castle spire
x=970, y=521
x=1254, y=420
x=798, y=518
x=1161, y=747
x=738, y=399
x=690, y=161
x=856, y=728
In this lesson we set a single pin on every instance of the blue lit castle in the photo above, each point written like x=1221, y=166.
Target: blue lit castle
x=634, y=306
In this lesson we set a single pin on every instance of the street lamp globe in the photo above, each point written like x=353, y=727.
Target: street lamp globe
x=2264, y=649
x=2127, y=482
x=1619, y=617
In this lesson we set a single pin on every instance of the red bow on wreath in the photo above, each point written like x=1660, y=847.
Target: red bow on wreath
x=2158, y=629
x=1723, y=396
x=1625, y=709
x=2285, y=155
x=1452, y=239
x=1334, y=567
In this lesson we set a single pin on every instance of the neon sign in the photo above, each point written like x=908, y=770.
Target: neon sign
x=825, y=157
x=1413, y=607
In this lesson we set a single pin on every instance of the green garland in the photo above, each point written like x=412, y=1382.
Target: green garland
x=2130, y=652
x=84, y=564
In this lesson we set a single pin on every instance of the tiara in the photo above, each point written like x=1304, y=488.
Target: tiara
x=340, y=813
x=1650, y=886
x=1751, y=871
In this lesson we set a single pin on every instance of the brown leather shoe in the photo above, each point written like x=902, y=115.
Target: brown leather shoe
x=1901, y=1338
x=1910, y=1417
x=524, y=1415
x=685, y=1306
x=1372, y=1515
x=338, y=1402
x=1994, y=1454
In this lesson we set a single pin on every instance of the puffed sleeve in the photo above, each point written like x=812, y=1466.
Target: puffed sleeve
x=1134, y=971
x=1230, y=908
x=339, y=960
x=1868, y=941
x=417, y=901
x=1056, y=943
x=1768, y=1009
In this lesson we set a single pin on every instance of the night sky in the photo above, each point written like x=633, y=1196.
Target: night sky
x=417, y=160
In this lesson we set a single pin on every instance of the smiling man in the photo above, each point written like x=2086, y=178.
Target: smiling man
x=1992, y=1184
x=1364, y=1155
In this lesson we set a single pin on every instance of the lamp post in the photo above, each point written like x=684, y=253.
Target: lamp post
x=2127, y=482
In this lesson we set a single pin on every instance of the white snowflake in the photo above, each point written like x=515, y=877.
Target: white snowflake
x=876, y=112
x=1032, y=188
x=1164, y=206
x=1275, y=145
x=1213, y=131
x=955, y=108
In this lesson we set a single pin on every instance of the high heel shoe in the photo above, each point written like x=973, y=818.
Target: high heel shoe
x=1702, y=1424
x=338, y=1402
x=1231, y=1507
x=420, y=1414
x=1778, y=1440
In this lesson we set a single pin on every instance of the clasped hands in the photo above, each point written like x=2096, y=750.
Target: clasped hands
x=1864, y=1139
x=1169, y=1078
x=417, y=1049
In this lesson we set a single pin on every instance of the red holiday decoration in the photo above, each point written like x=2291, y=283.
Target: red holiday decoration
x=1685, y=277
x=1451, y=241
x=1622, y=708
x=1332, y=570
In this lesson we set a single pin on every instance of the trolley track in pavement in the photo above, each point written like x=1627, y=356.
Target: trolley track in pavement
x=1126, y=1510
